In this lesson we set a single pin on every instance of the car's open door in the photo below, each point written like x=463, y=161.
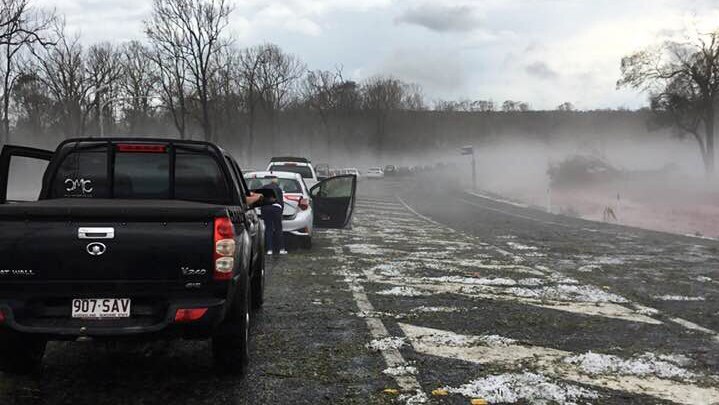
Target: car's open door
x=333, y=201
x=22, y=169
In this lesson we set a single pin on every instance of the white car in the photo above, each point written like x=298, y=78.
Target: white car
x=297, y=217
x=375, y=173
x=294, y=165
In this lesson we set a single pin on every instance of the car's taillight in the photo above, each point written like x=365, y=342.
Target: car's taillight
x=304, y=204
x=189, y=315
x=2, y=316
x=225, y=248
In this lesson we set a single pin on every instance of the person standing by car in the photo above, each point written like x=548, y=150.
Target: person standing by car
x=272, y=215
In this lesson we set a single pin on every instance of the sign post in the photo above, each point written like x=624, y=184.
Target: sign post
x=469, y=150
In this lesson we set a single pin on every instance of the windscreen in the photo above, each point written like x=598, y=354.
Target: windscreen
x=140, y=175
x=304, y=171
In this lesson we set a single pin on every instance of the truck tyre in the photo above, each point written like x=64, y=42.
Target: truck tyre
x=230, y=348
x=258, y=282
x=20, y=354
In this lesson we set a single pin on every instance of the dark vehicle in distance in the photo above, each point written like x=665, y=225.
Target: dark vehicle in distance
x=390, y=170
x=130, y=238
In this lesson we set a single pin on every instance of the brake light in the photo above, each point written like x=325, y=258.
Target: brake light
x=189, y=315
x=304, y=204
x=225, y=248
x=129, y=147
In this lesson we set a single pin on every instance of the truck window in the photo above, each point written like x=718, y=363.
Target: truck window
x=25, y=178
x=142, y=175
x=146, y=175
x=82, y=174
x=199, y=178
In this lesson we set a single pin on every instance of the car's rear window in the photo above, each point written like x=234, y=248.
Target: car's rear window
x=303, y=171
x=287, y=185
x=140, y=175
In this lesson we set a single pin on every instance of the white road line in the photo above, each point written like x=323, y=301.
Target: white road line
x=436, y=342
x=683, y=322
x=541, y=221
x=432, y=221
x=692, y=326
x=428, y=219
x=392, y=356
x=485, y=196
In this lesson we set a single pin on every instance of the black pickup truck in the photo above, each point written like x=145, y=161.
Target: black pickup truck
x=133, y=238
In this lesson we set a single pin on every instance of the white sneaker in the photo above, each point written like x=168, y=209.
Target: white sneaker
x=283, y=252
x=269, y=253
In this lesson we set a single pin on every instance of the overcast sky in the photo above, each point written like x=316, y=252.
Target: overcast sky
x=544, y=52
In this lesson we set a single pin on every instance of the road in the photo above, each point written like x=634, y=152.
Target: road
x=440, y=296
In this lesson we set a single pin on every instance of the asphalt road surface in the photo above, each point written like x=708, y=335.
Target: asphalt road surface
x=440, y=296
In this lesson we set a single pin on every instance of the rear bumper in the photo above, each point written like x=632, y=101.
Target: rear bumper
x=137, y=325
x=300, y=225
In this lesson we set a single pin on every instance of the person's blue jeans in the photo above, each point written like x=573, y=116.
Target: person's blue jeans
x=272, y=215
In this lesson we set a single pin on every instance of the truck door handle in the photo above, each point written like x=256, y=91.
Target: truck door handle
x=96, y=233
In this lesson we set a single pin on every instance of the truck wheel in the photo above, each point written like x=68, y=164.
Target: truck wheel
x=230, y=349
x=20, y=354
x=258, y=283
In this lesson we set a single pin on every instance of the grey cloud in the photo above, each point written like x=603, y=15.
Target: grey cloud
x=541, y=71
x=437, y=71
x=442, y=18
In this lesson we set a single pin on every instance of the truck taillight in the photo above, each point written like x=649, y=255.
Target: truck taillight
x=225, y=248
x=304, y=204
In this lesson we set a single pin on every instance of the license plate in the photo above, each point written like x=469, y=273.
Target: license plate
x=98, y=308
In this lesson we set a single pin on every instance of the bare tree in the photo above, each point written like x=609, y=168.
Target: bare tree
x=269, y=78
x=171, y=76
x=319, y=90
x=248, y=80
x=682, y=79
x=21, y=27
x=104, y=71
x=33, y=105
x=226, y=93
x=192, y=29
x=62, y=69
x=138, y=83
x=381, y=96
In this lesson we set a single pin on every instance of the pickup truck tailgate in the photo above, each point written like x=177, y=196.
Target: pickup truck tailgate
x=132, y=242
